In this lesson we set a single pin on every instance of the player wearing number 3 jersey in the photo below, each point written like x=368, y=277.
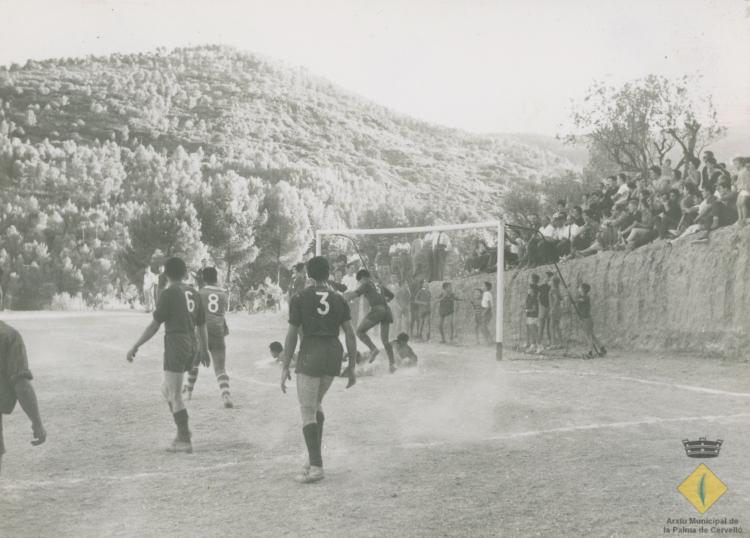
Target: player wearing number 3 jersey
x=317, y=314
x=215, y=303
x=181, y=311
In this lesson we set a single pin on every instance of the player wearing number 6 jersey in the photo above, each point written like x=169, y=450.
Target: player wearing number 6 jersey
x=180, y=310
x=317, y=313
x=215, y=302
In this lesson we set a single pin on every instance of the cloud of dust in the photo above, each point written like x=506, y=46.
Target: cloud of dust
x=465, y=411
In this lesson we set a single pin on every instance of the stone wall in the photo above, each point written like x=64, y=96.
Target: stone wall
x=685, y=296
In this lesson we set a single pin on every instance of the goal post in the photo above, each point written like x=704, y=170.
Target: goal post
x=496, y=225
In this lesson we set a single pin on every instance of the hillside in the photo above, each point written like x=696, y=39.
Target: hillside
x=118, y=139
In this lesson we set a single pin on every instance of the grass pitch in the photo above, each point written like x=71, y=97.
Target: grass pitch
x=460, y=446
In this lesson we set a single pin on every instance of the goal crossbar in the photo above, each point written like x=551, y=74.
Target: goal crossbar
x=498, y=225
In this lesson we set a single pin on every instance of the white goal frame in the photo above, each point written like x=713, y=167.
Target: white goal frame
x=497, y=225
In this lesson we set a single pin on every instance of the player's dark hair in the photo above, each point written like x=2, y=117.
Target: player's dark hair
x=210, y=276
x=488, y=286
x=446, y=285
x=362, y=273
x=276, y=347
x=299, y=267
x=318, y=269
x=402, y=338
x=175, y=269
x=585, y=287
x=535, y=278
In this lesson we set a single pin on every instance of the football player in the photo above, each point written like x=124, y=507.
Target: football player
x=180, y=309
x=380, y=314
x=316, y=314
x=215, y=303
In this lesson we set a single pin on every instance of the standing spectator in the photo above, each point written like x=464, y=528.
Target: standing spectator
x=299, y=280
x=442, y=246
x=543, y=291
x=15, y=385
x=531, y=309
x=150, y=282
x=161, y=283
x=403, y=300
x=382, y=263
x=487, y=303
x=743, y=188
x=2, y=295
x=692, y=171
x=583, y=307
x=428, y=255
x=405, y=266
x=338, y=281
x=423, y=302
x=446, y=309
x=480, y=325
x=710, y=173
x=555, y=312
x=396, y=310
x=198, y=275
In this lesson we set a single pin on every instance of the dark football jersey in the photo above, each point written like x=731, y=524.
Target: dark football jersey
x=319, y=310
x=215, y=302
x=375, y=293
x=13, y=366
x=180, y=309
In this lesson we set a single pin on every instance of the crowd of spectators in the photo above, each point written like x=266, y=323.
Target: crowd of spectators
x=629, y=211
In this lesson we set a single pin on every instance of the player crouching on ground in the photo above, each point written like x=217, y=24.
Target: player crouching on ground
x=380, y=314
x=318, y=313
x=215, y=303
x=404, y=351
x=277, y=352
x=15, y=385
x=179, y=308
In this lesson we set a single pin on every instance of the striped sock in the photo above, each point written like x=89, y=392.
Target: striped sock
x=192, y=378
x=223, y=380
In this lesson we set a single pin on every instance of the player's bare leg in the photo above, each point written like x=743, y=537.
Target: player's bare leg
x=385, y=338
x=365, y=326
x=219, y=357
x=172, y=391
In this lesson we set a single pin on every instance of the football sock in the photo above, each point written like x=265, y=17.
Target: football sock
x=320, y=418
x=389, y=350
x=223, y=380
x=192, y=378
x=312, y=440
x=181, y=419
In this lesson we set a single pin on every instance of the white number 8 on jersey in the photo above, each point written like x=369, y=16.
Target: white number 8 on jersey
x=213, y=303
x=325, y=306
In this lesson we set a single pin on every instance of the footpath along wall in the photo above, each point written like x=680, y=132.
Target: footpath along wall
x=682, y=297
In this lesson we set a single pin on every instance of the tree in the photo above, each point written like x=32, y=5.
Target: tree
x=286, y=234
x=229, y=209
x=636, y=125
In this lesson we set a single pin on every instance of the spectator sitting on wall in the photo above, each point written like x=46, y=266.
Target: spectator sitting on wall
x=623, y=191
x=743, y=188
x=668, y=213
x=643, y=230
x=660, y=183
x=704, y=216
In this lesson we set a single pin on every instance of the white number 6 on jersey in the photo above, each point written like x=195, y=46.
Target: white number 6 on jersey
x=190, y=301
x=324, y=307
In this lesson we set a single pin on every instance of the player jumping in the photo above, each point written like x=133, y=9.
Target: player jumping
x=215, y=301
x=179, y=308
x=380, y=314
x=317, y=313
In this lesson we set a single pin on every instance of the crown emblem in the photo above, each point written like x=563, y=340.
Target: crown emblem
x=702, y=448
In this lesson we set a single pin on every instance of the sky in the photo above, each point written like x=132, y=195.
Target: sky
x=484, y=66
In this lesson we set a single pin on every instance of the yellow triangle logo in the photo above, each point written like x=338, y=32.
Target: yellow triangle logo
x=702, y=488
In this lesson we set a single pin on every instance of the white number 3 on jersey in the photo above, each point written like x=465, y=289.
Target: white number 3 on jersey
x=325, y=306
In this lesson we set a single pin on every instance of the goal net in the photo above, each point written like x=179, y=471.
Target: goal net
x=465, y=255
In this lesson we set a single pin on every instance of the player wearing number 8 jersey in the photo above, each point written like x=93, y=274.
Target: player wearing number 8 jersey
x=180, y=310
x=215, y=303
x=316, y=314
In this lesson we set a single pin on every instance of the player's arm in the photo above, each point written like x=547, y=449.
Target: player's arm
x=351, y=348
x=388, y=294
x=27, y=398
x=147, y=335
x=17, y=369
x=290, y=345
